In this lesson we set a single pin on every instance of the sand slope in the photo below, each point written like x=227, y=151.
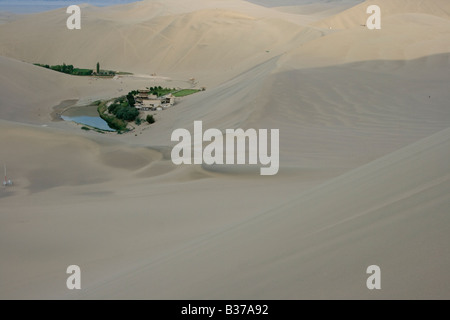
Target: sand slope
x=391, y=213
x=357, y=15
x=409, y=30
x=25, y=90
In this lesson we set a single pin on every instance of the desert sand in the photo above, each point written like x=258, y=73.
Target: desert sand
x=364, y=176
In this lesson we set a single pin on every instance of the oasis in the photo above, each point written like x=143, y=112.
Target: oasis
x=229, y=150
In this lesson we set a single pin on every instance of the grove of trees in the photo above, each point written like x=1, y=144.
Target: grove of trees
x=123, y=110
x=69, y=69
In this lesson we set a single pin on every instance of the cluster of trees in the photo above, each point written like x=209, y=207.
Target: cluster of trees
x=149, y=119
x=63, y=68
x=160, y=91
x=123, y=109
x=69, y=69
x=103, y=72
x=130, y=99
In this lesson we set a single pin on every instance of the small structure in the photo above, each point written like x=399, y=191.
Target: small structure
x=142, y=95
x=7, y=182
x=142, y=107
x=145, y=101
x=153, y=103
x=168, y=99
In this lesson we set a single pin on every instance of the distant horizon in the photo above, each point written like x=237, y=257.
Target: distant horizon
x=34, y=6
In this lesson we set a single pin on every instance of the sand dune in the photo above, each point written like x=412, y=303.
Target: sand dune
x=169, y=38
x=407, y=32
x=357, y=15
x=24, y=86
x=324, y=121
x=306, y=250
x=317, y=11
x=64, y=159
x=364, y=146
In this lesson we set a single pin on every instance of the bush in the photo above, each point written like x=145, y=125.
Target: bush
x=127, y=113
x=85, y=128
x=150, y=119
x=138, y=121
x=122, y=110
x=120, y=100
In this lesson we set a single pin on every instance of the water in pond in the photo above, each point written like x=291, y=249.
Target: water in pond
x=86, y=115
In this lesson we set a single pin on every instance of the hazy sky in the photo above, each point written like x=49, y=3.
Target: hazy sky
x=29, y=6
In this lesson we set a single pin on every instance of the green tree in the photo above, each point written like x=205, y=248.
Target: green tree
x=113, y=108
x=131, y=100
x=98, y=67
x=150, y=119
x=130, y=114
